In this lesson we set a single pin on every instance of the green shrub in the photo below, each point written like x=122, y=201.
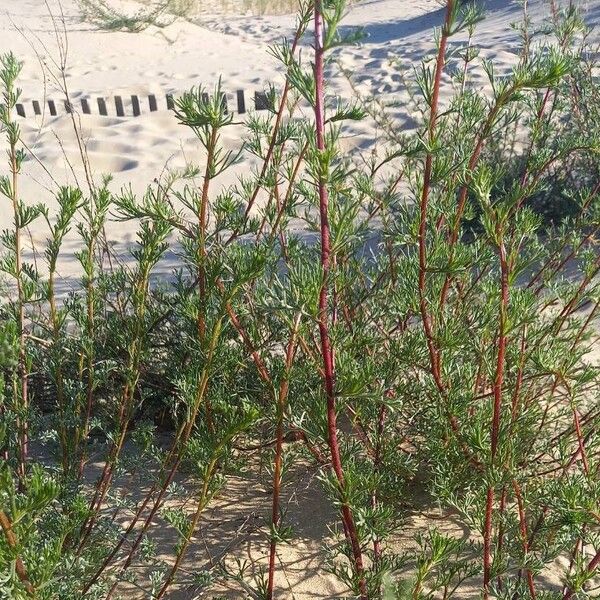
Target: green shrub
x=454, y=359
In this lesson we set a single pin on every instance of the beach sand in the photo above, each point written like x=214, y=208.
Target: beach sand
x=170, y=60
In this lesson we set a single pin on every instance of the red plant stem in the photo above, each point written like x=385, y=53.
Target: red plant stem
x=562, y=262
x=434, y=354
x=559, y=321
x=281, y=402
x=519, y=379
x=463, y=193
x=259, y=363
x=524, y=536
x=495, y=434
x=106, y=562
x=11, y=540
x=426, y=317
x=275, y=507
x=183, y=434
x=575, y=553
x=289, y=191
x=568, y=309
x=580, y=448
x=487, y=541
x=565, y=469
x=156, y=505
x=274, y=134
x=500, y=544
x=202, y=502
x=377, y=468
x=326, y=348
x=125, y=411
x=538, y=120
x=204, y=497
x=580, y=441
x=502, y=338
x=201, y=258
x=104, y=482
x=586, y=323
x=592, y=566
x=462, y=199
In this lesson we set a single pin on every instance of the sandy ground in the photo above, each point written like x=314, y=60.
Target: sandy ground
x=137, y=150
x=233, y=536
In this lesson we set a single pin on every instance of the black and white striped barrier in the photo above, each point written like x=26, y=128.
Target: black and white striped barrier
x=133, y=108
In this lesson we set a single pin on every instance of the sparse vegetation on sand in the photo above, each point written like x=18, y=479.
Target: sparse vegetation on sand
x=108, y=15
x=415, y=328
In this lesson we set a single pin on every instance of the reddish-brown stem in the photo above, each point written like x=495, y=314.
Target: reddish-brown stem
x=563, y=261
x=500, y=544
x=106, y=562
x=538, y=120
x=274, y=135
x=586, y=323
x=497, y=409
x=434, y=354
x=202, y=231
x=592, y=566
x=202, y=502
x=125, y=409
x=519, y=379
x=463, y=194
x=281, y=403
x=105, y=480
x=377, y=467
x=502, y=338
x=174, y=455
x=11, y=540
x=580, y=543
x=425, y=316
x=524, y=536
x=326, y=348
x=580, y=442
x=205, y=496
x=487, y=541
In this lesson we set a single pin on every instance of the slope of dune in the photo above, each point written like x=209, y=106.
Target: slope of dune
x=47, y=34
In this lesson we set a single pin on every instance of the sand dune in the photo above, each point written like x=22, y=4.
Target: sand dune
x=172, y=59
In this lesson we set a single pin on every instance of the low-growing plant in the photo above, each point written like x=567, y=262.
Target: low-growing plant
x=104, y=15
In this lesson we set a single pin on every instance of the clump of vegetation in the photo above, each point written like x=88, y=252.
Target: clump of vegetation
x=105, y=16
x=455, y=358
x=161, y=13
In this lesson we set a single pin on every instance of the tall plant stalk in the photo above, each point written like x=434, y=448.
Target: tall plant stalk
x=497, y=407
x=434, y=354
x=278, y=463
x=9, y=72
x=324, y=309
x=12, y=541
x=93, y=224
x=151, y=247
